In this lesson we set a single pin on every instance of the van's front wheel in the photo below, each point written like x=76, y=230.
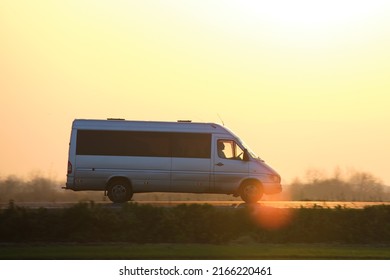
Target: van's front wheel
x=251, y=192
x=119, y=191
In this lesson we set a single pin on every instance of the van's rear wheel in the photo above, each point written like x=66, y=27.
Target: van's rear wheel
x=251, y=192
x=119, y=191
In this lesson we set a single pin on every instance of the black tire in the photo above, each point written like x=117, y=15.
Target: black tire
x=251, y=191
x=119, y=191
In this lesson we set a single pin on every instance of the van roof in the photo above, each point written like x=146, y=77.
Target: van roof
x=120, y=124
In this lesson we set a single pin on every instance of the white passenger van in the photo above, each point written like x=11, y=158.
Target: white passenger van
x=125, y=157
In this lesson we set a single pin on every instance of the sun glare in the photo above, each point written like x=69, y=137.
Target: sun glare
x=271, y=218
x=304, y=13
x=313, y=14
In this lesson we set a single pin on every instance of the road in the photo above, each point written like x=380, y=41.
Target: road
x=225, y=204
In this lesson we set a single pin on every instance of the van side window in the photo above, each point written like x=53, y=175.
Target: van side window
x=230, y=150
x=123, y=143
x=191, y=145
x=143, y=144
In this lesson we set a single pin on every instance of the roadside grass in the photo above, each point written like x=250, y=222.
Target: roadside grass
x=118, y=251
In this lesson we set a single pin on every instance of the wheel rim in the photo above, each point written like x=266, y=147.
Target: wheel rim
x=251, y=193
x=119, y=192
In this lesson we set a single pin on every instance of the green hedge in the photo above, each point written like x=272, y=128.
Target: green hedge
x=134, y=223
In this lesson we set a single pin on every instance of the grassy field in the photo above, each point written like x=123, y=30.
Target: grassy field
x=192, y=251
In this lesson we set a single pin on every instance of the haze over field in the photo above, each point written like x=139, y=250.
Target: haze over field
x=355, y=187
x=304, y=83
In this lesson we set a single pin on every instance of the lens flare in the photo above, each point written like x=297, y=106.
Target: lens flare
x=271, y=218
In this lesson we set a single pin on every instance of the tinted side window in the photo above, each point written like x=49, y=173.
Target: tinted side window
x=149, y=144
x=191, y=145
x=123, y=143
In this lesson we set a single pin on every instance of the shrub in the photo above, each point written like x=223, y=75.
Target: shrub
x=88, y=222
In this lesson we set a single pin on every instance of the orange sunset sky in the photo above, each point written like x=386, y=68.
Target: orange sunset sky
x=306, y=84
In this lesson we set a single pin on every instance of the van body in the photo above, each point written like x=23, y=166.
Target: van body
x=125, y=157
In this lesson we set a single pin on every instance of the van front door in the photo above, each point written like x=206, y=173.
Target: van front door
x=229, y=165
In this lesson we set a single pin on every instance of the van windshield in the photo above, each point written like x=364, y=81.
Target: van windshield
x=245, y=146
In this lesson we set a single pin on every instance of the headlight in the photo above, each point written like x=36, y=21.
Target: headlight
x=274, y=178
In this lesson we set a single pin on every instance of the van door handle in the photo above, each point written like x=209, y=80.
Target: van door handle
x=219, y=164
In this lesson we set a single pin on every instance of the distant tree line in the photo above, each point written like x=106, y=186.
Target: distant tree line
x=40, y=189
x=358, y=186
x=43, y=189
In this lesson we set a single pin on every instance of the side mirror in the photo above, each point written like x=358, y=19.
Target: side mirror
x=246, y=155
